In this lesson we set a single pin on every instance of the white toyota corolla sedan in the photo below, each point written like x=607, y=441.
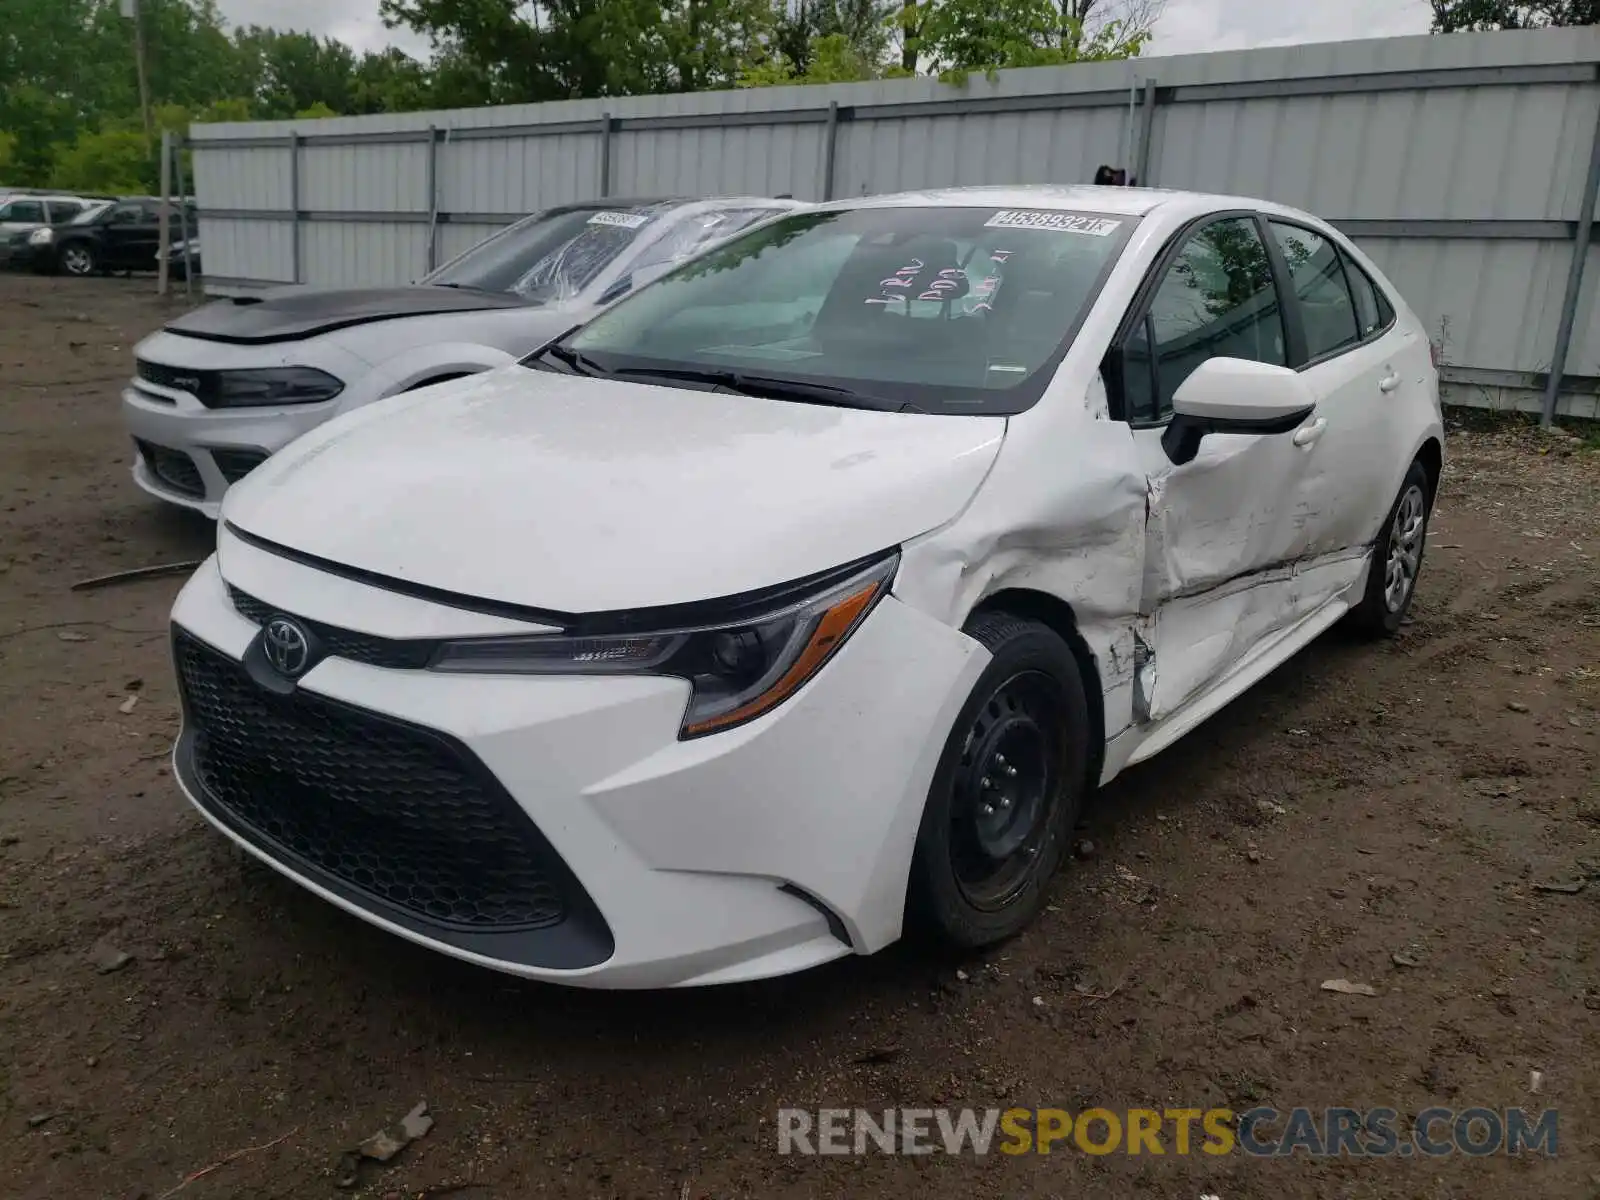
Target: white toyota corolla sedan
x=797, y=601
x=221, y=388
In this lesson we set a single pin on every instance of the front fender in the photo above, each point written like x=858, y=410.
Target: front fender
x=434, y=361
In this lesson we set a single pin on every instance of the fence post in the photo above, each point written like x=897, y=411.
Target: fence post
x=184, y=231
x=1569, y=302
x=830, y=149
x=1147, y=126
x=164, y=239
x=433, y=197
x=605, y=154
x=294, y=205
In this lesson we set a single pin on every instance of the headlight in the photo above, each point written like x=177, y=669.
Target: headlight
x=738, y=670
x=41, y=237
x=272, y=385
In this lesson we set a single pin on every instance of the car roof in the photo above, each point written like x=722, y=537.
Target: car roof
x=1134, y=201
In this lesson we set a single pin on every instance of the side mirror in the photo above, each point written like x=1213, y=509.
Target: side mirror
x=1234, y=395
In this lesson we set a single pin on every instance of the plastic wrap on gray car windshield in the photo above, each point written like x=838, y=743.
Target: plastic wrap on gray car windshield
x=568, y=269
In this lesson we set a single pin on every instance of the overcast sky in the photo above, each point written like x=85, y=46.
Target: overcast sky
x=1187, y=27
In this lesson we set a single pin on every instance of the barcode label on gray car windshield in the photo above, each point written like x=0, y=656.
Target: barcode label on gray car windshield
x=626, y=220
x=1060, y=222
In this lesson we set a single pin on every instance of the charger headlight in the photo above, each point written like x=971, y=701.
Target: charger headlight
x=737, y=670
x=265, y=387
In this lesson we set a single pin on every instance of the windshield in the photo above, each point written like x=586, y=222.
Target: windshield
x=937, y=308
x=551, y=256
x=87, y=216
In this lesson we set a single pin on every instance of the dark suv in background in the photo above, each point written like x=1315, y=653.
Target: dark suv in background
x=122, y=237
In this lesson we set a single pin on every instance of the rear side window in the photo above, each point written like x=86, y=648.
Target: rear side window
x=1373, y=309
x=126, y=214
x=25, y=210
x=64, y=210
x=1216, y=300
x=1326, y=306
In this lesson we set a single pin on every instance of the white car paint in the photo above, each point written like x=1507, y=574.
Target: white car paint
x=818, y=486
x=374, y=360
x=529, y=497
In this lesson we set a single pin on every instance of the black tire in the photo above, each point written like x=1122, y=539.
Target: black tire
x=1028, y=703
x=1383, y=607
x=78, y=258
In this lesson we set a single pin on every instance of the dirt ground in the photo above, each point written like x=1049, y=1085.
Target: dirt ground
x=1364, y=803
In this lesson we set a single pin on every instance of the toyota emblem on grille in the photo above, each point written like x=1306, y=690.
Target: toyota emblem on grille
x=287, y=646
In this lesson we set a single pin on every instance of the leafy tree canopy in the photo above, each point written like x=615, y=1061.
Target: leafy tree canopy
x=70, y=113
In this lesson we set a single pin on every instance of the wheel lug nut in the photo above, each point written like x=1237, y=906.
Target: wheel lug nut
x=988, y=784
x=1000, y=760
x=988, y=810
x=1011, y=772
x=1006, y=803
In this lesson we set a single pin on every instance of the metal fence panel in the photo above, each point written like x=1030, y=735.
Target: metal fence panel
x=363, y=178
x=517, y=174
x=1458, y=162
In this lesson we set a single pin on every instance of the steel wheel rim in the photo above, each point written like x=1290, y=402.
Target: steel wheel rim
x=1405, y=548
x=1006, y=790
x=77, y=261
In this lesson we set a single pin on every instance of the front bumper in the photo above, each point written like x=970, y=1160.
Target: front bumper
x=755, y=852
x=190, y=455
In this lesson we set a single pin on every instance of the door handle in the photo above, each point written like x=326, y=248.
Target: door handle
x=1307, y=434
x=1389, y=382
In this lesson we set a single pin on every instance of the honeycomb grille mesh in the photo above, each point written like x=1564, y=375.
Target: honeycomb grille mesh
x=391, y=811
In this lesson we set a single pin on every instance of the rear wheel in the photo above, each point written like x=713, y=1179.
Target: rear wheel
x=1007, y=790
x=1396, y=559
x=78, y=258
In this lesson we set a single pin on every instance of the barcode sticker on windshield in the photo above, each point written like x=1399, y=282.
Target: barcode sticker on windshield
x=626, y=220
x=1058, y=222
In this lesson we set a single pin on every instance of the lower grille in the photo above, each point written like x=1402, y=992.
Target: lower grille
x=395, y=813
x=173, y=468
x=236, y=464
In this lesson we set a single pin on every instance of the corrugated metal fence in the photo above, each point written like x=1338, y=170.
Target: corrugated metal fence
x=1462, y=164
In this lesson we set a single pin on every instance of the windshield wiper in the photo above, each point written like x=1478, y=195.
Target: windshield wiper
x=575, y=361
x=765, y=386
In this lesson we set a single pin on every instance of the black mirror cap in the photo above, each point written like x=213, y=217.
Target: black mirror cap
x=1183, y=434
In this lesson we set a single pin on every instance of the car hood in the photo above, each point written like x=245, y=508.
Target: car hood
x=290, y=313
x=587, y=495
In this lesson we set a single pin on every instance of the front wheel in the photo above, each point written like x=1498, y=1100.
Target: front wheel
x=78, y=259
x=1007, y=790
x=1396, y=559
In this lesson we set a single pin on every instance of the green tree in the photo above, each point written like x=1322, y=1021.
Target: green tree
x=287, y=72
x=315, y=112
x=109, y=160
x=1456, y=16
x=853, y=34
x=390, y=81
x=956, y=37
x=828, y=59
x=563, y=49
x=234, y=108
x=39, y=124
x=8, y=147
